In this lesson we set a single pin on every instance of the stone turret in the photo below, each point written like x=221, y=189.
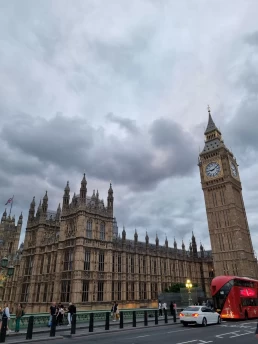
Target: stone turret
x=45, y=203
x=123, y=234
x=166, y=242
x=4, y=216
x=194, y=246
x=83, y=190
x=32, y=210
x=157, y=240
x=135, y=236
x=147, y=238
x=110, y=199
x=66, y=197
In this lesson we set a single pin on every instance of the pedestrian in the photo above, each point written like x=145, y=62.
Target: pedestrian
x=164, y=306
x=71, y=312
x=18, y=313
x=6, y=315
x=160, y=309
x=114, y=311
x=52, y=312
x=60, y=314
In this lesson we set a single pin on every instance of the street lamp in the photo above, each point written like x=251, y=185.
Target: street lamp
x=189, y=286
x=5, y=272
x=4, y=262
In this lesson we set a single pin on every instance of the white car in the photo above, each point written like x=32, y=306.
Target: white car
x=199, y=315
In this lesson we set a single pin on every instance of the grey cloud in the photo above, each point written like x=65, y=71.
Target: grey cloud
x=71, y=143
x=252, y=38
x=124, y=123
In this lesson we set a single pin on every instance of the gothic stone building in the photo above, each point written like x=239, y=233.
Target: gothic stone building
x=72, y=254
x=9, y=241
x=231, y=243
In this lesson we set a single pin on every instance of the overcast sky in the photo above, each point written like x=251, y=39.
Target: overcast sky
x=119, y=89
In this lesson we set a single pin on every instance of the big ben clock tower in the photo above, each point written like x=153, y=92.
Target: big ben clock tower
x=231, y=243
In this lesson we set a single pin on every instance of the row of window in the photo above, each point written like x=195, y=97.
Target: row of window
x=48, y=264
x=101, y=230
x=116, y=292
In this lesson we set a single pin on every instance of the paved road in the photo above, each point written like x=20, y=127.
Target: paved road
x=98, y=325
x=226, y=333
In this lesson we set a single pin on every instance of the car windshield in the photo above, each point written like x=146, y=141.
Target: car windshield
x=192, y=309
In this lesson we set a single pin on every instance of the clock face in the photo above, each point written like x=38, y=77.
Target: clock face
x=233, y=169
x=212, y=169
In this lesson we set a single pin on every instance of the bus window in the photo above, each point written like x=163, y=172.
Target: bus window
x=220, y=297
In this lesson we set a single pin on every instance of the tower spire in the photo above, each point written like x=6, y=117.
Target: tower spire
x=211, y=125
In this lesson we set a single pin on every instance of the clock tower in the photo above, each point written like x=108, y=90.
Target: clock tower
x=231, y=243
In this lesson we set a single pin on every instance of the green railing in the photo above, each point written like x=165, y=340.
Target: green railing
x=41, y=319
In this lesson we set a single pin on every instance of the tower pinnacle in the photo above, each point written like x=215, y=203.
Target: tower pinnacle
x=211, y=125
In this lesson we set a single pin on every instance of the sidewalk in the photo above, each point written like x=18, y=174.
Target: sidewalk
x=43, y=333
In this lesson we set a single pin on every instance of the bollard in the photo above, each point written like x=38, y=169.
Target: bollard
x=174, y=315
x=73, y=324
x=30, y=327
x=145, y=318
x=121, y=325
x=107, y=321
x=91, y=322
x=53, y=326
x=166, y=315
x=156, y=317
x=3, y=330
x=134, y=318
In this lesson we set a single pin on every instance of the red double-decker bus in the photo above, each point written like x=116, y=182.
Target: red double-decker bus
x=235, y=297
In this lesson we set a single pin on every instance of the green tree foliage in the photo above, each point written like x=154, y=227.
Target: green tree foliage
x=175, y=288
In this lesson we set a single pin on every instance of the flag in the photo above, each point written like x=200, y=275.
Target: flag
x=9, y=201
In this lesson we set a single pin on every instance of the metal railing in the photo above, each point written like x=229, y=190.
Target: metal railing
x=89, y=319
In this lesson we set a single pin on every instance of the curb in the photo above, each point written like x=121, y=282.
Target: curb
x=105, y=332
x=88, y=334
x=35, y=340
x=84, y=327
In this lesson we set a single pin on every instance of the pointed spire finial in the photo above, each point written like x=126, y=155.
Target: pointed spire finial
x=209, y=109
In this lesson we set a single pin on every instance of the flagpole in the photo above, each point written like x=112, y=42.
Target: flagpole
x=11, y=206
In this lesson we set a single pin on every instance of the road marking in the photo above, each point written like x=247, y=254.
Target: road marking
x=178, y=331
x=242, y=334
x=190, y=341
x=225, y=334
x=146, y=335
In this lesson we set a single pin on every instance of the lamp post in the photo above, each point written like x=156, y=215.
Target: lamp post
x=5, y=272
x=189, y=287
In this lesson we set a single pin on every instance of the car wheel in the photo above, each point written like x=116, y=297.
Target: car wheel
x=204, y=322
x=185, y=324
x=219, y=321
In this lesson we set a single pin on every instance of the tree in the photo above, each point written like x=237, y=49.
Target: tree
x=175, y=287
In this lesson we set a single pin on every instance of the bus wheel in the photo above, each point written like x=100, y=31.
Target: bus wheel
x=246, y=315
x=219, y=320
x=204, y=322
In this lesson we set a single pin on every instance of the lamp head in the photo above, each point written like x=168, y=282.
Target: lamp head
x=4, y=262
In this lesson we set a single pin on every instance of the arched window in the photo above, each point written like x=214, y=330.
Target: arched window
x=102, y=231
x=89, y=229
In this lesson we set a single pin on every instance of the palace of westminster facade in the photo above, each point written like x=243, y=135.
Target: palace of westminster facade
x=74, y=254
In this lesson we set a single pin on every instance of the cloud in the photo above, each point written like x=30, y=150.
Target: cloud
x=124, y=123
x=63, y=141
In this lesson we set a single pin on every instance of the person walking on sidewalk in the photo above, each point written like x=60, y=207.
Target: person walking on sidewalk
x=71, y=312
x=19, y=314
x=6, y=314
x=160, y=309
x=52, y=312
